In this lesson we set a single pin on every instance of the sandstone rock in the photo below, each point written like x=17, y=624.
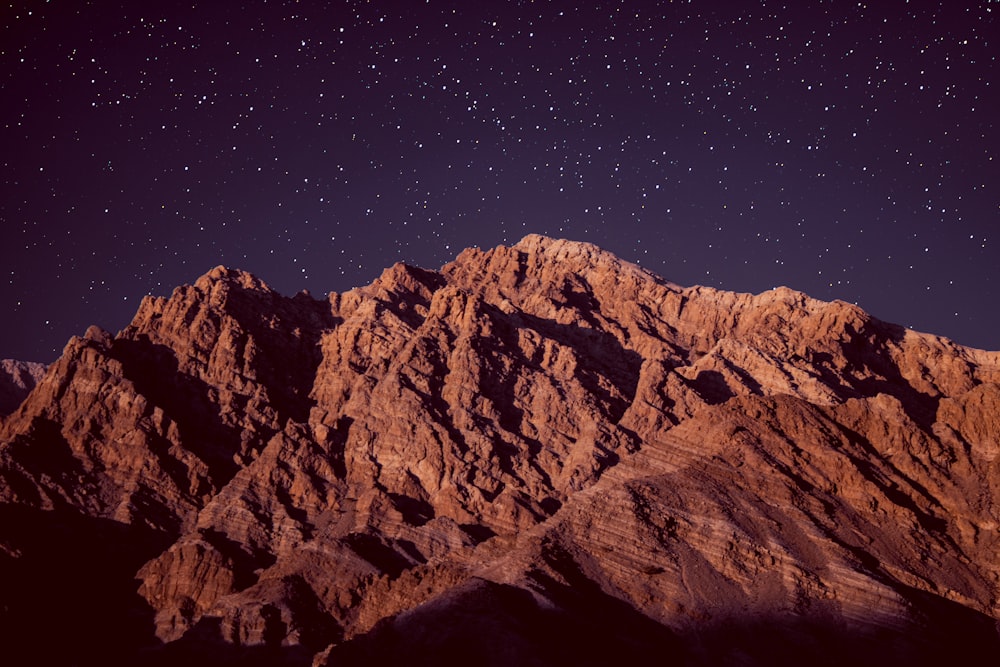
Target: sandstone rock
x=559, y=456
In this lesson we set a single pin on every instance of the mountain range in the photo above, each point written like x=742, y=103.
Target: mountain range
x=537, y=455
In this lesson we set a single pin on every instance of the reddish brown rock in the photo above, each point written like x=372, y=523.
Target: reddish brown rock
x=556, y=455
x=17, y=379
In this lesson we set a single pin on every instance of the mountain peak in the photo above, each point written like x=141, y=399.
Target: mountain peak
x=559, y=247
x=532, y=445
x=226, y=275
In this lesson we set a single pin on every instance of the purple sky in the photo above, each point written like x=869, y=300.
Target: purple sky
x=846, y=151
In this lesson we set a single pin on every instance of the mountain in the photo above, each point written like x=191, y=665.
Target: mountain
x=539, y=454
x=17, y=379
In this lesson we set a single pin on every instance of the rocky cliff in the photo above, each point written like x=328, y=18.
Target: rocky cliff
x=539, y=454
x=17, y=379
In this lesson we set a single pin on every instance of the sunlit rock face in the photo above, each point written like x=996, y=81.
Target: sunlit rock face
x=538, y=454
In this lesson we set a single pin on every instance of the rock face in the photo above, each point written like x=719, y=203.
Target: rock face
x=17, y=379
x=539, y=454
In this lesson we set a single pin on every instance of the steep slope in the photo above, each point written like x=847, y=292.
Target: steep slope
x=17, y=379
x=555, y=454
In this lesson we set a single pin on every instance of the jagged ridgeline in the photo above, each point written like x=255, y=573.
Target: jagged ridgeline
x=539, y=454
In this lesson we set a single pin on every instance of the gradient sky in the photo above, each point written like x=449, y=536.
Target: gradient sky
x=846, y=149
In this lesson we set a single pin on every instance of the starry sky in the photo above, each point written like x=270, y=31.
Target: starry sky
x=850, y=150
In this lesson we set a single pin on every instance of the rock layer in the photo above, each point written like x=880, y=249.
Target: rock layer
x=554, y=454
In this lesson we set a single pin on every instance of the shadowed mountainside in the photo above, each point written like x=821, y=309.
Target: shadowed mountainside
x=539, y=454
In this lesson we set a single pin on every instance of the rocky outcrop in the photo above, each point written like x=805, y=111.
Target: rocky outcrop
x=557, y=455
x=17, y=379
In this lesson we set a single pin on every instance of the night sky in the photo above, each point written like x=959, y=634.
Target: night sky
x=850, y=150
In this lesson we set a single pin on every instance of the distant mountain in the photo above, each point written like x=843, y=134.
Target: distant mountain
x=538, y=455
x=17, y=379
